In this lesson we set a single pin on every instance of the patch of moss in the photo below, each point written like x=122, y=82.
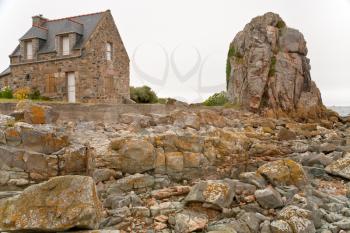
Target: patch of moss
x=232, y=53
x=272, y=70
x=228, y=71
x=281, y=24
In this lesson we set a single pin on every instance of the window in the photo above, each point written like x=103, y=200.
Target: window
x=29, y=50
x=108, y=51
x=65, y=45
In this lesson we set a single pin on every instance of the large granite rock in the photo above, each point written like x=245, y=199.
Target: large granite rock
x=283, y=172
x=189, y=221
x=59, y=204
x=35, y=113
x=133, y=155
x=268, y=71
x=299, y=220
x=340, y=167
x=215, y=193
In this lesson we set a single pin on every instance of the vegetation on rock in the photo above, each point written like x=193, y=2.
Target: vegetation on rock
x=6, y=93
x=143, y=94
x=22, y=93
x=272, y=70
x=218, y=99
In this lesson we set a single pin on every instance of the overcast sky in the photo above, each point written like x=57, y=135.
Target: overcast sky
x=179, y=47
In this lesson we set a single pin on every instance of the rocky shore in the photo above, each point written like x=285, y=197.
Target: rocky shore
x=217, y=170
x=279, y=164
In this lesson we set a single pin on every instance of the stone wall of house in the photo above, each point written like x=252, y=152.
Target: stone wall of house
x=97, y=80
x=107, y=80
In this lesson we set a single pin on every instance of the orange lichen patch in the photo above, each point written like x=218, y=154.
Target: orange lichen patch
x=283, y=172
x=332, y=187
x=12, y=132
x=214, y=191
x=53, y=206
x=37, y=114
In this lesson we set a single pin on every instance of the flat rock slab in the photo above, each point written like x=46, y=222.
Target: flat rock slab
x=59, y=204
x=189, y=221
x=269, y=198
x=7, y=194
x=341, y=167
x=218, y=193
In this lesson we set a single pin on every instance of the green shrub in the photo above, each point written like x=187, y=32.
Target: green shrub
x=162, y=100
x=143, y=94
x=35, y=94
x=218, y=99
x=6, y=93
x=228, y=71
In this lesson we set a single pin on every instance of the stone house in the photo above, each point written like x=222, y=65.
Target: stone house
x=75, y=59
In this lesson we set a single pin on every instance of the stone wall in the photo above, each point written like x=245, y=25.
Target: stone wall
x=97, y=80
x=96, y=112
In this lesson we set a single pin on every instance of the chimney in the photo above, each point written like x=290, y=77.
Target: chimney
x=39, y=20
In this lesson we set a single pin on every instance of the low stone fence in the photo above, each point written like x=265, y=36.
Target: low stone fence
x=96, y=112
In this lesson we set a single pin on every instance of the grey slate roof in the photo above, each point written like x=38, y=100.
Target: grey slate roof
x=5, y=72
x=83, y=25
x=35, y=32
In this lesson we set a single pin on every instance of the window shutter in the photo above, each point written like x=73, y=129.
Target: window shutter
x=50, y=85
x=29, y=50
x=108, y=51
x=66, y=48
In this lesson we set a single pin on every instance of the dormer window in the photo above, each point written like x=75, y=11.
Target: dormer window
x=65, y=45
x=108, y=51
x=29, y=50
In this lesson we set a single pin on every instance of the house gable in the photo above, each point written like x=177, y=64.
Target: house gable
x=97, y=77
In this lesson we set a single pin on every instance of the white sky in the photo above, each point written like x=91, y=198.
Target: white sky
x=179, y=47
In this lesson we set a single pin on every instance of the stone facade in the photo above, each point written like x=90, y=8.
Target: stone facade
x=97, y=80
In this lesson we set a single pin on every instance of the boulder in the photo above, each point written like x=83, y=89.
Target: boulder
x=62, y=203
x=184, y=119
x=286, y=135
x=269, y=198
x=283, y=172
x=74, y=160
x=132, y=182
x=269, y=73
x=189, y=221
x=37, y=114
x=39, y=138
x=340, y=167
x=103, y=174
x=300, y=220
x=133, y=155
x=17, y=166
x=6, y=121
x=217, y=193
x=165, y=208
x=253, y=178
x=280, y=226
